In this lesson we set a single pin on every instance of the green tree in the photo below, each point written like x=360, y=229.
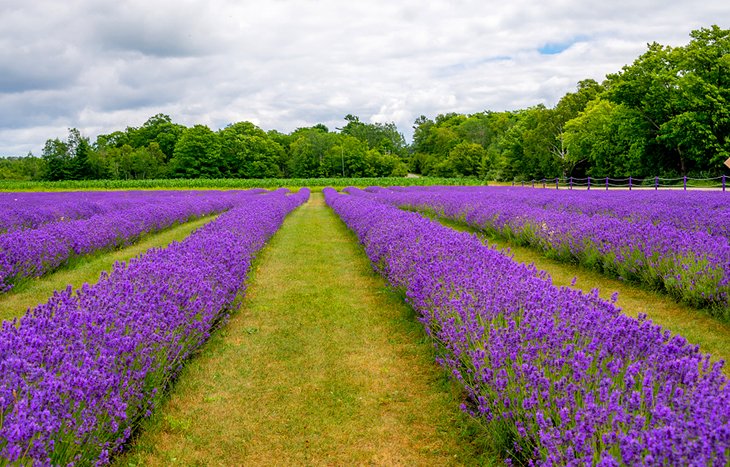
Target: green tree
x=67, y=160
x=79, y=150
x=283, y=140
x=197, y=154
x=307, y=151
x=466, y=159
x=610, y=137
x=240, y=143
x=566, y=109
x=346, y=158
x=22, y=168
x=526, y=146
x=422, y=137
x=683, y=95
x=146, y=162
x=157, y=129
x=116, y=139
x=384, y=165
x=384, y=137
x=57, y=160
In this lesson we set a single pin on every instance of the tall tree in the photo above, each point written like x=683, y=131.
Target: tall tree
x=197, y=154
x=79, y=150
x=610, y=138
x=68, y=160
x=683, y=95
x=157, y=129
x=383, y=137
x=57, y=160
x=308, y=151
x=346, y=158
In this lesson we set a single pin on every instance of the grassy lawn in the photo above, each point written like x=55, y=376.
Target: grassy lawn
x=698, y=327
x=86, y=269
x=322, y=365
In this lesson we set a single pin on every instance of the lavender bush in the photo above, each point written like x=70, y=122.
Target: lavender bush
x=562, y=377
x=77, y=372
x=34, y=252
x=30, y=210
x=706, y=211
x=687, y=259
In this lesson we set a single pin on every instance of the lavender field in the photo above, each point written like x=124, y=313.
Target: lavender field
x=553, y=375
x=678, y=242
x=77, y=372
x=562, y=375
x=45, y=230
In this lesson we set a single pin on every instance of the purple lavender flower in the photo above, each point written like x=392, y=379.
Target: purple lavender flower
x=676, y=241
x=78, y=371
x=578, y=382
x=119, y=221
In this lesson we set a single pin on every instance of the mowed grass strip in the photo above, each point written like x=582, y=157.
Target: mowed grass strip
x=322, y=365
x=698, y=327
x=86, y=269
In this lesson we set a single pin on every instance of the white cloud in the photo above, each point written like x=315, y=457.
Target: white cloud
x=102, y=66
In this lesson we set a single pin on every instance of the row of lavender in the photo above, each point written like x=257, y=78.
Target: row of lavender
x=563, y=375
x=34, y=252
x=617, y=235
x=20, y=210
x=77, y=372
x=707, y=211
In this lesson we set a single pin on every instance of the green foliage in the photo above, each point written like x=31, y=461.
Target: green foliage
x=248, y=152
x=22, y=168
x=57, y=160
x=67, y=160
x=611, y=137
x=308, y=152
x=157, y=129
x=316, y=152
x=527, y=146
x=463, y=160
x=345, y=158
x=666, y=114
x=683, y=95
x=197, y=154
x=384, y=165
x=383, y=137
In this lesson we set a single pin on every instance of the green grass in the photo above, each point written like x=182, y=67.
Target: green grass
x=697, y=326
x=228, y=183
x=322, y=365
x=86, y=269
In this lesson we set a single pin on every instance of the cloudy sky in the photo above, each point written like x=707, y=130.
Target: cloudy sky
x=101, y=66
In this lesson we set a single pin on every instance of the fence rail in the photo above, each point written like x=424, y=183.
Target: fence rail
x=629, y=183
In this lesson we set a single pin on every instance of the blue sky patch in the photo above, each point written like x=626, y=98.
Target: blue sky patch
x=554, y=48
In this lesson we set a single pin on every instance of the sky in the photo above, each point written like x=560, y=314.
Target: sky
x=102, y=66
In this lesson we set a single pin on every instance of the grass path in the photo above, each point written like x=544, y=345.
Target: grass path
x=698, y=327
x=322, y=365
x=86, y=269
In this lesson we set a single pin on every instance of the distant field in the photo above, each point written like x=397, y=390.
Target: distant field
x=229, y=183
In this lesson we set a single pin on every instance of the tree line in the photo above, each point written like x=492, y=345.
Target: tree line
x=666, y=114
x=161, y=148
